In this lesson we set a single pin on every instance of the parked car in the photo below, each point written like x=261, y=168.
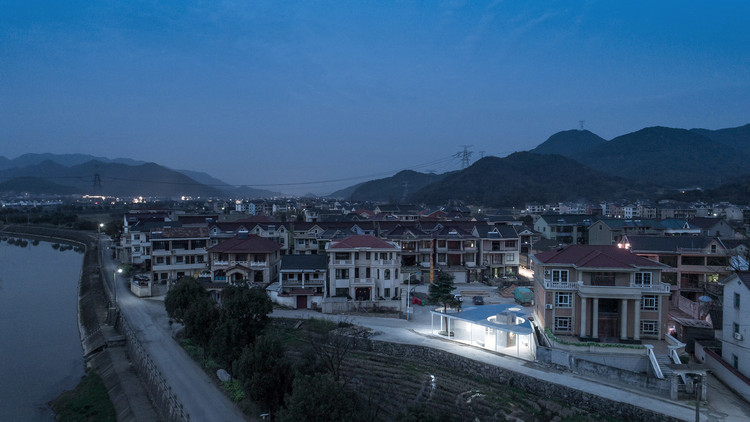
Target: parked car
x=478, y=300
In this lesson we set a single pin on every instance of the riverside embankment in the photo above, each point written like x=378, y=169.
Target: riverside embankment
x=101, y=344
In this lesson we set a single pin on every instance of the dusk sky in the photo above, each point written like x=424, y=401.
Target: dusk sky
x=277, y=92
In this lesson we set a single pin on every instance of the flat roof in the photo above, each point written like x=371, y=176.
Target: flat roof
x=480, y=315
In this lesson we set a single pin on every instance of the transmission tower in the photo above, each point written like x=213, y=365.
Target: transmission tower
x=465, y=155
x=580, y=124
x=97, y=188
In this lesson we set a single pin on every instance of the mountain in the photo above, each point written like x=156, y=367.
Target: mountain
x=736, y=137
x=66, y=160
x=345, y=193
x=670, y=157
x=116, y=179
x=35, y=185
x=525, y=177
x=569, y=143
x=395, y=188
x=232, y=191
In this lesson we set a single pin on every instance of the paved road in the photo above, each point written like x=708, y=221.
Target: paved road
x=199, y=395
x=723, y=404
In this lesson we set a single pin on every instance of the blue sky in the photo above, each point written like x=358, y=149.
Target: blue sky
x=266, y=92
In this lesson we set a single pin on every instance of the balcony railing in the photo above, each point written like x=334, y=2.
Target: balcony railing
x=258, y=264
x=560, y=285
x=655, y=287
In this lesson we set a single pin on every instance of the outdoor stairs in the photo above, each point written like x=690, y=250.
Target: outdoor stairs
x=664, y=361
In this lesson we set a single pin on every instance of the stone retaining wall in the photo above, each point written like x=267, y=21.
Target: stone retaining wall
x=572, y=397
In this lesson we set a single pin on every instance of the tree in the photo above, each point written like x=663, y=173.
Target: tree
x=319, y=398
x=187, y=302
x=181, y=296
x=265, y=373
x=441, y=293
x=243, y=316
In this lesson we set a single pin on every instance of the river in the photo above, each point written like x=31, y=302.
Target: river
x=41, y=353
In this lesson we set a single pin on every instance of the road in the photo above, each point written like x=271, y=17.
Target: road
x=200, y=397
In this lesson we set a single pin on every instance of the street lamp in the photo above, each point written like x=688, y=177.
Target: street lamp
x=114, y=282
x=101, y=226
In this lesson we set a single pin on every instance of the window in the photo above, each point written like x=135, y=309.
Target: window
x=367, y=272
x=342, y=256
x=387, y=293
x=736, y=328
x=735, y=361
x=387, y=275
x=737, y=300
x=509, y=257
x=560, y=276
x=356, y=255
x=563, y=300
x=342, y=291
x=356, y=272
x=563, y=324
x=367, y=256
x=649, y=327
x=642, y=279
x=650, y=303
x=342, y=274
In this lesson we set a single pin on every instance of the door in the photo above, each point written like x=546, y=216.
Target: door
x=301, y=302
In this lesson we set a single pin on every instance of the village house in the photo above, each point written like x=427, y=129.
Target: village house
x=364, y=269
x=600, y=293
x=303, y=281
x=565, y=229
x=246, y=258
x=178, y=252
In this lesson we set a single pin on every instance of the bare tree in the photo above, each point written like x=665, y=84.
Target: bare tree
x=332, y=346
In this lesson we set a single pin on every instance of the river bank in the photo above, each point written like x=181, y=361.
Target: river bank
x=106, y=357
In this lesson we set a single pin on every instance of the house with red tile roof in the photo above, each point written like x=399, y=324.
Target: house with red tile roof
x=363, y=272
x=245, y=258
x=600, y=293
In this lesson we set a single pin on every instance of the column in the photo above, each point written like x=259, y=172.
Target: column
x=583, y=316
x=623, y=319
x=595, y=319
x=637, y=320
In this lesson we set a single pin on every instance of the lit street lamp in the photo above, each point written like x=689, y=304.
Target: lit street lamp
x=101, y=226
x=114, y=282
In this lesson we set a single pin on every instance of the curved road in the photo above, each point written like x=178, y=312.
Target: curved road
x=200, y=397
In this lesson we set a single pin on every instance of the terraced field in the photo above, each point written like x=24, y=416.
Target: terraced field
x=391, y=385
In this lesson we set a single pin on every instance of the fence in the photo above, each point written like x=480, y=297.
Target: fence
x=158, y=389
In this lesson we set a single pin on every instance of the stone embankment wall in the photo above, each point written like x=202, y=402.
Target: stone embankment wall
x=572, y=397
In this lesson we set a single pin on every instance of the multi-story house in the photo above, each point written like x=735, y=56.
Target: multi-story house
x=456, y=251
x=713, y=227
x=177, y=252
x=735, y=340
x=245, y=258
x=303, y=281
x=602, y=293
x=364, y=268
x=608, y=231
x=695, y=263
x=500, y=249
x=565, y=229
x=135, y=245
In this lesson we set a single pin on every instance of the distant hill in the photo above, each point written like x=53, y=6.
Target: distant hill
x=398, y=187
x=66, y=160
x=345, y=193
x=736, y=137
x=34, y=185
x=524, y=177
x=232, y=191
x=569, y=143
x=666, y=156
x=116, y=179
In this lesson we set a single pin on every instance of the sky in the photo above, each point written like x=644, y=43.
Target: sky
x=285, y=94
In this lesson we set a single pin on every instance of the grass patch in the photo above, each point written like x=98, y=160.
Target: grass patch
x=87, y=402
x=235, y=390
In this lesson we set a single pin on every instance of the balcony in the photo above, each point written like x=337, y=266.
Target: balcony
x=560, y=285
x=258, y=264
x=343, y=262
x=386, y=262
x=653, y=288
x=308, y=283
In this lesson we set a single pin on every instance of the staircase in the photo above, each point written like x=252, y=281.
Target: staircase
x=664, y=362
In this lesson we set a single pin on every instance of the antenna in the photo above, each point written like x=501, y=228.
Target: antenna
x=465, y=155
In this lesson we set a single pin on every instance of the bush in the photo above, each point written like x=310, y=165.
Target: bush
x=236, y=393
